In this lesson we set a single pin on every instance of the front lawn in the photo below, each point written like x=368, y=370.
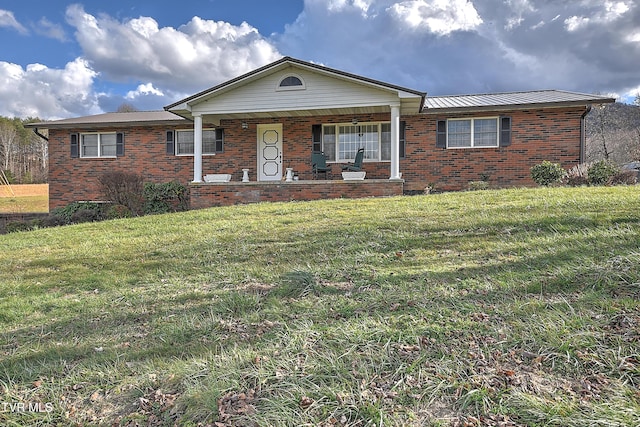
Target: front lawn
x=510, y=308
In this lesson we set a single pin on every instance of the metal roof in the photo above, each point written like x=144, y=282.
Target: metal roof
x=134, y=118
x=510, y=100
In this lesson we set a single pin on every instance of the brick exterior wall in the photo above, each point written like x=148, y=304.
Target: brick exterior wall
x=207, y=195
x=537, y=135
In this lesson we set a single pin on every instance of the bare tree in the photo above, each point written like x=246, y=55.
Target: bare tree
x=8, y=143
x=613, y=133
x=23, y=154
x=126, y=108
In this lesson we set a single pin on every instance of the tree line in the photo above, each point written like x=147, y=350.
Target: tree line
x=24, y=156
x=612, y=134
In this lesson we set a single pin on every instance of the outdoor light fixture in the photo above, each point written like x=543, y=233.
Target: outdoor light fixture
x=245, y=125
x=354, y=121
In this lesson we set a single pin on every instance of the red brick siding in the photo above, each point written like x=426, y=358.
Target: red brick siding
x=144, y=153
x=537, y=135
x=207, y=195
x=550, y=134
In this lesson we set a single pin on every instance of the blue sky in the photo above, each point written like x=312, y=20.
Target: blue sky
x=63, y=59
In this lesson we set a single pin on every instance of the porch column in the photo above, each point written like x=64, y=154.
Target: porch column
x=197, y=148
x=395, y=142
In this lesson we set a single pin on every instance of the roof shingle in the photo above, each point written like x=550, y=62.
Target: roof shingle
x=112, y=119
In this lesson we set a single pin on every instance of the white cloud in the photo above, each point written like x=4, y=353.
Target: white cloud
x=7, y=19
x=614, y=10
x=45, y=92
x=439, y=46
x=194, y=56
x=631, y=94
x=143, y=90
x=519, y=8
x=340, y=6
x=604, y=14
x=51, y=30
x=440, y=17
x=633, y=37
x=575, y=23
x=538, y=25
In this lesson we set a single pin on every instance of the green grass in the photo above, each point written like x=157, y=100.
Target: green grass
x=517, y=307
x=22, y=204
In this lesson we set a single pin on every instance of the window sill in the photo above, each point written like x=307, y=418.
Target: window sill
x=98, y=157
x=472, y=148
x=344, y=162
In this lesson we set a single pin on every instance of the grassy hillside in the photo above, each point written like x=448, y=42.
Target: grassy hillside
x=515, y=307
x=24, y=198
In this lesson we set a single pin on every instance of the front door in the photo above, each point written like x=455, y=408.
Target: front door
x=270, y=152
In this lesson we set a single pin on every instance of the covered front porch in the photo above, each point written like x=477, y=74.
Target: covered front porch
x=204, y=195
x=273, y=119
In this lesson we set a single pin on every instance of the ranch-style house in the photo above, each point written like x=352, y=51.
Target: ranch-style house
x=287, y=130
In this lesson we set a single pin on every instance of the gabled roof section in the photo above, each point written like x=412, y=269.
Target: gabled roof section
x=510, y=100
x=282, y=63
x=135, y=118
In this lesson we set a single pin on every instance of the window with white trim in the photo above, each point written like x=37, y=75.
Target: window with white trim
x=341, y=142
x=98, y=144
x=212, y=142
x=474, y=132
x=291, y=82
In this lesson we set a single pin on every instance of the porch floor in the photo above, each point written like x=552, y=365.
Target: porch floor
x=210, y=194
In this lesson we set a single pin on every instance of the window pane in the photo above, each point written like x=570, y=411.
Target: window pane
x=290, y=81
x=208, y=141
x=385, y=141
x=459, y=133
x=485, y=132
x=108, y=145
x=90, y=145
x=368, y=137
x=184, y=139
x=348, y=142
x=329, y=142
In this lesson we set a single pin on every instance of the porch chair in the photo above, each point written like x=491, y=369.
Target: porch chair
x=319, y=164
x=356, y=166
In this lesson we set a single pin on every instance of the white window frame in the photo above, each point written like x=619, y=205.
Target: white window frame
x=472, y=134
x=302, y=86
x=81, y=145
x=204, y=153
x=336, y=142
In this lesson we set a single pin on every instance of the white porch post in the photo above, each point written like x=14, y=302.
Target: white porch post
x=395, y=142
x=197, y=148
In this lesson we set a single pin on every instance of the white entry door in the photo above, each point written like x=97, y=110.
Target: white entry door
x=270, y=152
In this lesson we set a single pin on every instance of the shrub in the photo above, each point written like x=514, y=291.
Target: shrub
x=77, y=212
x=29, y=225
x=164, y=198
x=9, y=176
x=54, y=220
x=601, y=172
x=478, y=185
x=117, y=212
x=624, y=177
x=123, y=188
x=547, y=173
x=577, y=175
x=87, y=215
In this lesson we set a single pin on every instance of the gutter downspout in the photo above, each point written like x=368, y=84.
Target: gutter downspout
x=35, y=130
x=583, y=134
